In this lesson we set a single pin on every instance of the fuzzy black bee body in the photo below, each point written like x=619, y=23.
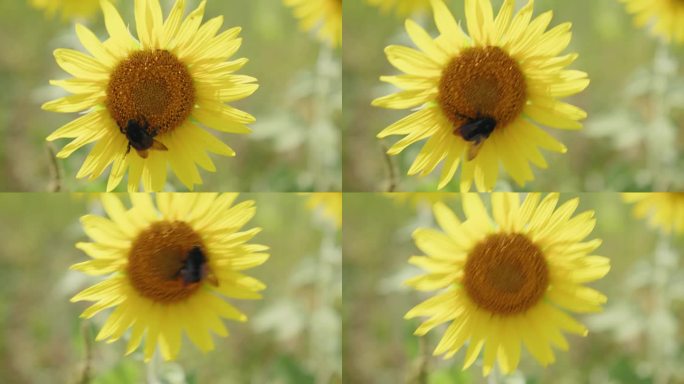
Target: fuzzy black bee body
x=195, y=268
x=476, y=131
x=141, y=138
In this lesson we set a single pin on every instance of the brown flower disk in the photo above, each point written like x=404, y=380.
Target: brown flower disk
x=156, y=257
x=506, y=274
x=482, y=81
x=151, y=85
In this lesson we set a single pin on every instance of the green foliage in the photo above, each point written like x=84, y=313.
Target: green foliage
x=124, y=372
x=624, y=370
x=292, y=371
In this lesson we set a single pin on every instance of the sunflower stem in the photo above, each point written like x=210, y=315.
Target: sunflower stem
x=55, y=172
x=391, y=170
x=661, y=350
x=322, y=135
x=323, y=354
x=423, y=369
x=493, y=376
x=87, y=345
x=153, y=369
x=660, y=141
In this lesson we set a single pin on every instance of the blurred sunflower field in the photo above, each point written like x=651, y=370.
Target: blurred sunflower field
x=292, y=335
x=636, y=338
x=294, y=142
x=631, y=139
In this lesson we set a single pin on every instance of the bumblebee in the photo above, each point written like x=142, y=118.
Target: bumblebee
x=141, y=138
x=475, y=131
x=195, y=269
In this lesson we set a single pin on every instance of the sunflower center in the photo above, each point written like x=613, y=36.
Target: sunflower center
x=153, y=86
x=156, y=258
x=482, y=82
x=506, y=274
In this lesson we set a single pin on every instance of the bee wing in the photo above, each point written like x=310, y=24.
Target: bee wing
x=474, y=148
x=143, y=153
x=158, y=145
x=212, y=279
x=209, y=275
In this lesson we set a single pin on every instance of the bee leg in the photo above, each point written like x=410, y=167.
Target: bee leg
x=158, y=145
x=212, y=279
x=475, y=147
x=128, y=149
x=464, y=117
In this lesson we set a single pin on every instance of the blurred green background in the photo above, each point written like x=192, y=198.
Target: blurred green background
x=291, y=147
x=292, y=336
x=633, y=138
x=639, y=338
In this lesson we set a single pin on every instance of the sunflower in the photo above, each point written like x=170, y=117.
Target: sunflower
x=507, y=280
x=482, y=97
x=324, y=15
x=143, y=98
x=667, y=16
x=665, y=210
x=330, y=203
x=68, y=8
x=401, y=7
x=169, y=268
